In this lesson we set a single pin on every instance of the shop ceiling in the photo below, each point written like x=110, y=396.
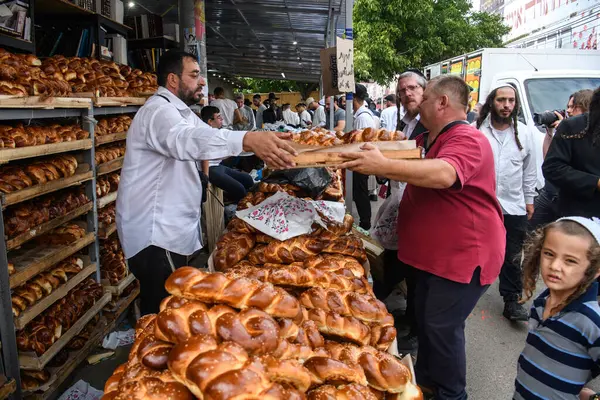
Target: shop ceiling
x=273, y=39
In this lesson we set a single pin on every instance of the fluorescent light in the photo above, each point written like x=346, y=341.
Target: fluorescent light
x=282, y=74
x=131, y=4
x=295, y=43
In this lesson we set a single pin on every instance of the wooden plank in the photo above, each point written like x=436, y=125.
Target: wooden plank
x=47, y=226
x=7, y=389
x=9, y=101
x=107, y=199
x=120, y=287
x=31, y=361
x=118, y=101
x=7, y=155
x=321, y=159
x=32, y=261
x=214, y=216
x=113, y=137
x=32, y=312
x=34, y=191
x=111, y=166
x=105, y=232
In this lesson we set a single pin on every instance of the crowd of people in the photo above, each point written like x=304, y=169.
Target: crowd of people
x=452, y=223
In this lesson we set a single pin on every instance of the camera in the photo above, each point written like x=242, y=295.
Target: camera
x=547, y=117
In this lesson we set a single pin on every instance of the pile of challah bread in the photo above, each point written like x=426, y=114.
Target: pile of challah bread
x=102, y=78
x=17, y=177
x=112, y=261
x=19, y=135
x=106, y=184
x=110, y=125
x=109, y=152
x=323, y=137
x=23, y=75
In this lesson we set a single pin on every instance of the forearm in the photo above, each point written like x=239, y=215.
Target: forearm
x=205, y=167
x=434, y=174
x=547, y=141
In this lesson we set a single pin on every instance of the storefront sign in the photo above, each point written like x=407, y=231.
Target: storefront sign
x=329, y=71
x=345, y=65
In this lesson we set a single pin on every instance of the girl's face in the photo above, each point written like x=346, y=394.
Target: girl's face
x=564, y=261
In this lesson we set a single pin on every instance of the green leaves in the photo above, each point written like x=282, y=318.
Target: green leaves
x=393, y=35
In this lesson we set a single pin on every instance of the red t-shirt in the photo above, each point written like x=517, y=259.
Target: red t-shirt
x=450, y=232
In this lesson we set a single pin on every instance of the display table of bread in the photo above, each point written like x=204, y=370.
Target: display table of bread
x=292, y=319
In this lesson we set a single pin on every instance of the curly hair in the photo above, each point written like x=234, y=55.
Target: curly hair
x=593, y=126
x=488, y=106
x=533, y=253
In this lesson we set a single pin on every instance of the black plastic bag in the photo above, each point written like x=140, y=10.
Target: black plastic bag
x=311, y=180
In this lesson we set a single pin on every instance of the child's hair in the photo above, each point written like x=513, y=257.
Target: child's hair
x=533, y=251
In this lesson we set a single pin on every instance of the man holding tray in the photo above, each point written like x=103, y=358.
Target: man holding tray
x=160, y=193
x=451, y=227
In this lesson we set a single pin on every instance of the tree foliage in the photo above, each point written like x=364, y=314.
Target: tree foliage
x=393, y=35
x=253, y=85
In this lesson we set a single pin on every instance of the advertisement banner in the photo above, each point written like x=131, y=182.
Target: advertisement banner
x=473, y=77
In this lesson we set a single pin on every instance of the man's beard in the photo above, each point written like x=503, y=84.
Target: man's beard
x=189, y=97
x=497, y=118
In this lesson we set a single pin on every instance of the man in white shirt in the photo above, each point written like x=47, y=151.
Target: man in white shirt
x=516, y=179
x=245, y=116
x=318, y=118
x=363, y=118
x=260, y=108
x=389, y=116
x=305, y=118
x=229, y=110
x=290, y=117
x=160, y=193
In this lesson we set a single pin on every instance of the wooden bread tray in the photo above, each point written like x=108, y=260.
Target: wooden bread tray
x=332, y=159
x=30, y=262
x=31, y=361
x=120, y=287
x=113, y=137
x=47, y=226
x=118, y=101
x=19, y=153
x=35, y=310
x=7, y=388
x=9, y=101
x=82, y=174
x=110, y=166
x=104, y=232
x=107, y=199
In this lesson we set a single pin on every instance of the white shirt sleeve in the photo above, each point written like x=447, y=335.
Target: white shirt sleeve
x=173, y=136
x=529, y=171
x=320, y=116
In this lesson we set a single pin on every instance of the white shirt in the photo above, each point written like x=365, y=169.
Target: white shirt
x=259, y=116
x=516, y=172
x=319, y=118
x=363, y=118
x=305, y=118
x=389, y=118
x=411, y=124
x=160, y=192
x=227, y=108
x=291, y=118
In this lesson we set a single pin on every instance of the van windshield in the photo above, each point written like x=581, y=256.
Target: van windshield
x=553, y=93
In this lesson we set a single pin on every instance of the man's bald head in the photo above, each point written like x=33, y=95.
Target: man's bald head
x=454, y=87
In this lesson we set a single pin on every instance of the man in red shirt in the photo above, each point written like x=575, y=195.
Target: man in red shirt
x=451, y=229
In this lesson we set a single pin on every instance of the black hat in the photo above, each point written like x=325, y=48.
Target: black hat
x=360, y=92
x=272, y=96
x=390, y=97
x=256, y=96
x=416, y=71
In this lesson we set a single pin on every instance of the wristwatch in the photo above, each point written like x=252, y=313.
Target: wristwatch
x=595, y=396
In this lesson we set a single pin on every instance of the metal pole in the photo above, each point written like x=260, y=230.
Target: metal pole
x=349, y=116
x=331, y=37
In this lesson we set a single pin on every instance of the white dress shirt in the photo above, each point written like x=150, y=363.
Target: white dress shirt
x=259, y=116
x=319, y=118
x=389, y=118
x=227, y=107
x=305, y=119
x=411, y=124
x=291, y=118
x=160, y=192
x=364, y=118
x=516, y=172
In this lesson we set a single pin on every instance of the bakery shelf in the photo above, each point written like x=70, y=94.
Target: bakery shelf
x=7, y=155
x=82, y=174
x=113, y=137
x=47, y=226
x=110, y=166
x=120, y=287
x=15, y=43
x=39, y=113
x=161, y=42
x=31, y=361
x=105, y=232
x=30, y=262
x=118, y=101
x=8, y=387
x=35, y=310
x=106, y=200
x=10, y=101
x=100, y=111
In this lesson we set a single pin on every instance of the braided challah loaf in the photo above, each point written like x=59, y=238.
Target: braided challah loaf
x=336, y=325
x=240, y=293
x=352, y=391
x=231, y=249
x=335, y=263
x=347, y=245
x=288, y=251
